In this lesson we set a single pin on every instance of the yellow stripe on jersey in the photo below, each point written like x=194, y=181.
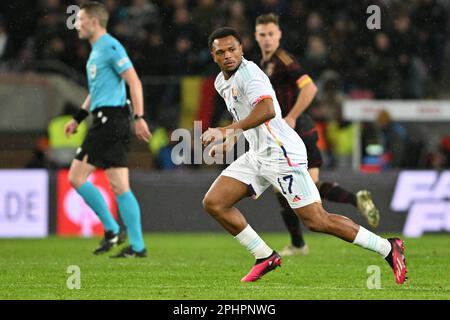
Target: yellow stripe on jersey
x=303, y=81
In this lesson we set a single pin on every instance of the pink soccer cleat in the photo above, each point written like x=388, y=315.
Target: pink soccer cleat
x=396, y=260
x=262, y=267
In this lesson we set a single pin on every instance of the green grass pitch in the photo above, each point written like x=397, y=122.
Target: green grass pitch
x=210, y=266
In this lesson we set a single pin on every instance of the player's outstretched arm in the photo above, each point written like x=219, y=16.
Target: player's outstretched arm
x=262, y=112
x=304, y=99
x=137, y=98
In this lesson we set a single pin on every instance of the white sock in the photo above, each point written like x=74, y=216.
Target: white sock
x=253, y=243
x=369, y=240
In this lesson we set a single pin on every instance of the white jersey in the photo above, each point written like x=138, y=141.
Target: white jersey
x=274, y=140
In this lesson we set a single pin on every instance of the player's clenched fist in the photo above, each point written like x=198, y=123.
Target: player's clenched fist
x=223, y=148
x=212, y=134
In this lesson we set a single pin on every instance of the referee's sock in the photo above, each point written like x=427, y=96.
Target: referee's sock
x=95, y=200
x=131, y=216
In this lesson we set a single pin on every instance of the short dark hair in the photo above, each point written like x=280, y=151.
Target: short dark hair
x=268, y=18
x=222, y=33
x=98, y=10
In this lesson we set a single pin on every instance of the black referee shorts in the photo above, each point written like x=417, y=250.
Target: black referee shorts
x=106, y=143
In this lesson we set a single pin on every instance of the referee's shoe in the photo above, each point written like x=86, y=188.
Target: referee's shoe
x=128, y=252
x=110, y=240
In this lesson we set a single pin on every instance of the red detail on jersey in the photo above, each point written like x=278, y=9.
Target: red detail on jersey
x=261, y=98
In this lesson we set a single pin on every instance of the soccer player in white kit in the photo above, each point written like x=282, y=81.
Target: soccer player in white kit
x=277, y=157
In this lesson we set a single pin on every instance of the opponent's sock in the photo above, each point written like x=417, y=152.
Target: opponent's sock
x=131, y=215
x=95, y=201
x=369, y=240
x=253, y=243
x=293, y=225
x=333, y=192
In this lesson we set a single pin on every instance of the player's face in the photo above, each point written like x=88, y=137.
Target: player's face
x=84, y=25
x=268, y=36
x=227, y=53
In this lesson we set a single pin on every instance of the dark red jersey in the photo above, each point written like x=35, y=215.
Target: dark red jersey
x=288, y=78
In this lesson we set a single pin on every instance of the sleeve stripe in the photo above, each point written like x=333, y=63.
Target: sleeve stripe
x=303, y=81
x=303, y=77
x=261, y=98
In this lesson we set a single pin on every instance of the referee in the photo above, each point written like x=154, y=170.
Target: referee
x=106, y=144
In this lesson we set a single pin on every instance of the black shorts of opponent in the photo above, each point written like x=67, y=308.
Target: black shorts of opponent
x=106, y=143
x=306, y=129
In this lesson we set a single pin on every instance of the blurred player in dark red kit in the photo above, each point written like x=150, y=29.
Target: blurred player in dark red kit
x=295, y=91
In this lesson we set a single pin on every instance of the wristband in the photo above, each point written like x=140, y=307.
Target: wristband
x=81, y=115
x=137, y=117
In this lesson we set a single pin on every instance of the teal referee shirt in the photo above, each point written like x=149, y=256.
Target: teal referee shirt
x=108, y=59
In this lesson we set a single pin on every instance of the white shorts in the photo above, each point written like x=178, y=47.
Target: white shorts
x=294, y=182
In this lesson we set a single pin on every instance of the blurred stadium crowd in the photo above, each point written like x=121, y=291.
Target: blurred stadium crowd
x=406, y=59
x=169, y=37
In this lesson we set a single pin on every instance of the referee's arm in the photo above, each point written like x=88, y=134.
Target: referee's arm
x=87, y=103
x=71, y=126
x=137, y=99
